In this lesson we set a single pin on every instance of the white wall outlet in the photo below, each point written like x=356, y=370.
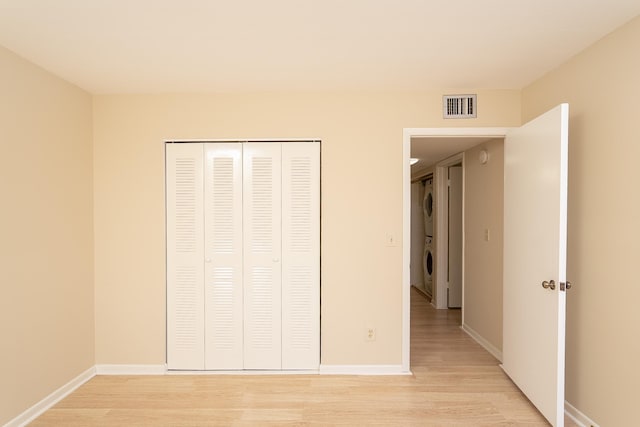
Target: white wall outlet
x=370, y=334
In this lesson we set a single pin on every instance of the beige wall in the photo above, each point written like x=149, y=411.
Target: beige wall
x=46, y=244
x=601, y=85
x=361, y=202
x=483, y=207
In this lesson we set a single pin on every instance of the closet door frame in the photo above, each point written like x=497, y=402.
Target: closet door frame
x=287, y=357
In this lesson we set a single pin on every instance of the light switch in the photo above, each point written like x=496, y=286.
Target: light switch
x=487, y=235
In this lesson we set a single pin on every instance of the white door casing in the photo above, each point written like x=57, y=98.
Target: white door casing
x=535, y=235
x=441, y=231
x=454, y=259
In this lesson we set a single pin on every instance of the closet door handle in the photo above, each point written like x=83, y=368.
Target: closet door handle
x=276, y=260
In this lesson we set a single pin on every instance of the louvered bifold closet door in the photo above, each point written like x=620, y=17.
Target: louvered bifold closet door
x=185, y=248
x=223, y=256
x=262, y=253
x=300, y=255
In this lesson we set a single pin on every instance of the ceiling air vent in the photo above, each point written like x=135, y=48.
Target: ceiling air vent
x=459, y=106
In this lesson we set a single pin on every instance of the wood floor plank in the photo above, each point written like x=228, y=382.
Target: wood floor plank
x=455, y=382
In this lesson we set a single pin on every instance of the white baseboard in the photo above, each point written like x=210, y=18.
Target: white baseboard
x=323, y=370
x=362, y=370
x=578, y=417
x=131, y=369
x=495, y=352
x=247, y=372
x=39, y=408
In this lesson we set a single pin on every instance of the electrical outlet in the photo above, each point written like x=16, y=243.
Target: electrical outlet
x=370, y=334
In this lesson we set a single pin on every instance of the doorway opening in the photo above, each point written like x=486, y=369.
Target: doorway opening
x=534, y=223
x=442, y=145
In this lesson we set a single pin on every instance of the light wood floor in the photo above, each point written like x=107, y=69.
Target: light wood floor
x=455, y=383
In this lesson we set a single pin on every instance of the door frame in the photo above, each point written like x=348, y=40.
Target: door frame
x=441, y=225
x=407, y=134
x=166, y=142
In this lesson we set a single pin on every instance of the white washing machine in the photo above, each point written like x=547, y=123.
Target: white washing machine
x=427, y=265
x=427, y=207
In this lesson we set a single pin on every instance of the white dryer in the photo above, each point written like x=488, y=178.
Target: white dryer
x=427, y=207
x=427, y=265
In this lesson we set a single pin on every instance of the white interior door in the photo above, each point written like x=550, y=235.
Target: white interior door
x=185, y=249
x=300, y=255
x=535, y=234
x=262, y=207
x=223, y=256
x=454, y=295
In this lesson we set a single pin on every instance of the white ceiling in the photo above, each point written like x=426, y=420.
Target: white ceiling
x=151, y=46
x=431, y=150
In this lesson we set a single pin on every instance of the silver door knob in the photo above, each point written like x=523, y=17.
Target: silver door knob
x=549, y=285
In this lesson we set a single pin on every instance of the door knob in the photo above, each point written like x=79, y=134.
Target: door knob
x=549, y=285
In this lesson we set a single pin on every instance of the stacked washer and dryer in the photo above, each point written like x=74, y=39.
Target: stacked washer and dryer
x=428, y=259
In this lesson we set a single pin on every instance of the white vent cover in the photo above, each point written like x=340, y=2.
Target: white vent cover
x=459, y=106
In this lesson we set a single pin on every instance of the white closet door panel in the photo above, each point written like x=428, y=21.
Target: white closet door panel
x=185, y=248
x=301, y=255
x=223, y=256
x=262, y=253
